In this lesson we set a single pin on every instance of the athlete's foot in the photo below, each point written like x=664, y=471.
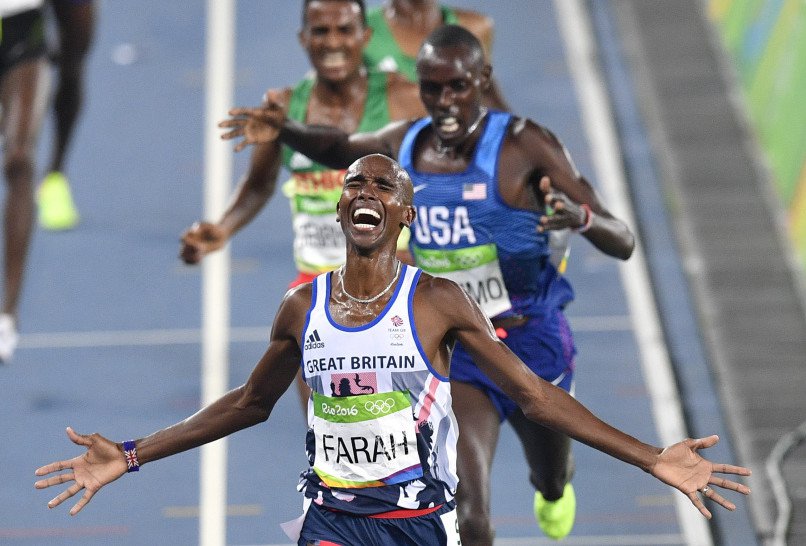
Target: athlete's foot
x=556, y=518
x=56, y=208
x=8, y=338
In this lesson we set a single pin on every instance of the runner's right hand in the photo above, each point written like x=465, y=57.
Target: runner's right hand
x=256, y=125
x=199, y=240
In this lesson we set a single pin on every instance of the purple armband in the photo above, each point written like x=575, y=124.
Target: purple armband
x=130, y=452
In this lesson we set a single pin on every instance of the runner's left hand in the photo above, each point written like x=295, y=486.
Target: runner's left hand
x=683, y=468
x=561, y=212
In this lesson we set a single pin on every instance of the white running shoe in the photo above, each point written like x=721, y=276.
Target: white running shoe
x=8, y=338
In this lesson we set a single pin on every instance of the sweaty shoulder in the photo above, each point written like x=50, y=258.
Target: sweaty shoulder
x=532, y=139
x=299, y=295
x=444, y=300
x=291, y=314
x=480, y=25
x=403, y=98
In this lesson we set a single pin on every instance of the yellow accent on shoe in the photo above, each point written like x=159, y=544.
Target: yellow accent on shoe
x=56, y=208
x=556, y=518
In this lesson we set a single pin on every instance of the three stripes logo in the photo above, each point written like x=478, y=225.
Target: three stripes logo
x=314, y=341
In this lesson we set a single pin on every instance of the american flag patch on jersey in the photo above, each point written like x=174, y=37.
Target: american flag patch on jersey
x=474, y=192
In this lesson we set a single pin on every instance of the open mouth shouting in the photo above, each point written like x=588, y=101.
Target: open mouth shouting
x=334, y=60
x=451, y=130
x=448, y=126
x=366, y=219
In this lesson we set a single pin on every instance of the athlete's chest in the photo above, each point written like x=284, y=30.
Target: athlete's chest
x=354, y=352
x=452, y=209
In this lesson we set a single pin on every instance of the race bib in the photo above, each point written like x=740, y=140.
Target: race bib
x=366, y=440
x=318, y=242
x=476, y=269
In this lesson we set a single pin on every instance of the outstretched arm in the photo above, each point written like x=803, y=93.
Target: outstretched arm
x=679, y=465
x=251, y=195
x=104, y=461
x=256, y=187
x=324, y=144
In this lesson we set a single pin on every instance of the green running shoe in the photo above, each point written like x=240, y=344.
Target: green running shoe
x=56, y=209
x=556, y=518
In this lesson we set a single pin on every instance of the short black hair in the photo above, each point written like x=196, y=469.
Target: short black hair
x=454, y=36
x=360, y=3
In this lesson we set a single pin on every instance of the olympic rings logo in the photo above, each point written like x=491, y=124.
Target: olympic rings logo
x=468, y=261
x=397, y=335
x=378, y=407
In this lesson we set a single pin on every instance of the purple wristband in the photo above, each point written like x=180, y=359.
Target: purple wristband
x=130, y=452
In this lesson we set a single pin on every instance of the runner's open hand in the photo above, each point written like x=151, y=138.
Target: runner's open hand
x=256, y=125
x=683, y=468
x=103, y=463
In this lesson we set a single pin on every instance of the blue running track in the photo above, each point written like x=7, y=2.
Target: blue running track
x=110, y=317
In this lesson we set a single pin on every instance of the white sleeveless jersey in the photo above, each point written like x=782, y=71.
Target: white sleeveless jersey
x=382, y=435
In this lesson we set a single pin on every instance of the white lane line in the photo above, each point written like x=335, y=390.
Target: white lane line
x=241, y=334
x=581, y=55
x=124, y=338
x=219, y=83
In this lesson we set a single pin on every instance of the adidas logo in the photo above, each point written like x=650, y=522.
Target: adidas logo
x=314, y=341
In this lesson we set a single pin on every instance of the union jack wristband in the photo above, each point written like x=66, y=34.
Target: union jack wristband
x=130, y=452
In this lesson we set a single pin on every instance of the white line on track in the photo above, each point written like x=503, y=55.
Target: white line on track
x=127, y=338
x=219, y=84
x=242, y=334
x=576, y=32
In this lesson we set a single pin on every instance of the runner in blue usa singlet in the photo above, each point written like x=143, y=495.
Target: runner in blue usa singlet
x=465, y=231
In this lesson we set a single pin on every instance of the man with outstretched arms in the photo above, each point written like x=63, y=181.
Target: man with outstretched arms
x=489, y=189
x=374, y=340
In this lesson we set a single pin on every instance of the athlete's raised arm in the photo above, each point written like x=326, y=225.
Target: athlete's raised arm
x=324, y=144
x=254, y=190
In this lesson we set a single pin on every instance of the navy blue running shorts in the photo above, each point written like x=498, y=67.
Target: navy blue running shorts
x=545, y=344
x=325, y=527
